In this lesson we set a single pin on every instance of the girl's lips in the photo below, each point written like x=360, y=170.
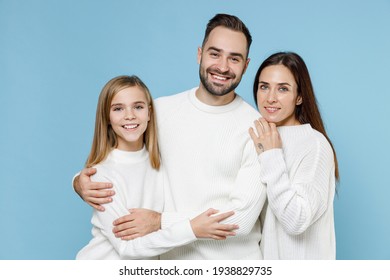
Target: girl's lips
x=130, y=126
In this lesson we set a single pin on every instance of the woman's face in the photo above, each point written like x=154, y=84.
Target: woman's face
x=277, y=95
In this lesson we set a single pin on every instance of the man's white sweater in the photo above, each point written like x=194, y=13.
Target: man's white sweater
x=211, y=163
x=300, y=180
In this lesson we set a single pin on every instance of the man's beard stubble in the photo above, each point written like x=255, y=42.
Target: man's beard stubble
x=214, y=89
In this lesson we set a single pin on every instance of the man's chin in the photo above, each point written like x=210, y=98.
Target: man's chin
x=219, y=91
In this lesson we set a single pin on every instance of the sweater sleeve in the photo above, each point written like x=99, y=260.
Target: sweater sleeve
x=246, y=199
x=298, y=203
x=152, y=244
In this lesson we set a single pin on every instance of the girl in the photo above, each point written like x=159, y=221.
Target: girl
x=298, y=162
x=125, y=152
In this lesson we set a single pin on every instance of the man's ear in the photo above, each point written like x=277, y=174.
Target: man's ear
x=246, y=65
x=199, y=54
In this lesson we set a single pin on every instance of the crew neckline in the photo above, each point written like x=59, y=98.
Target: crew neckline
x=213, y=109
x=295, y=131
x=129, y=156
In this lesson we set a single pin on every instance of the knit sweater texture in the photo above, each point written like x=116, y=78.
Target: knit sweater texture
x=300, y=182
x=211, y=162
x=136, y=185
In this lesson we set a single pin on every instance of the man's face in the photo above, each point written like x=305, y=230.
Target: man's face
x=223, y=61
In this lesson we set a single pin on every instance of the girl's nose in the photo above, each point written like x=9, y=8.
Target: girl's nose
x=129, y=114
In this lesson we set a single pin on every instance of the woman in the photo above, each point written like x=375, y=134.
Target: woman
x=298, y=162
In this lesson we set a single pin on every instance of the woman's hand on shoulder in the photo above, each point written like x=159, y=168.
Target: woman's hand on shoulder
x=266, y=136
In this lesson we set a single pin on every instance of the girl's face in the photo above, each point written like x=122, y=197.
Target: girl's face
x=277, y=95
x=129, y=116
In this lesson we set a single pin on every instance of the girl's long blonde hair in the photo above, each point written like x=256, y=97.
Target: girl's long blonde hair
x=105, y=139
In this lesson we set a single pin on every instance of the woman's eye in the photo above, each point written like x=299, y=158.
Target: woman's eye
x=263, y=87
x=283, y=89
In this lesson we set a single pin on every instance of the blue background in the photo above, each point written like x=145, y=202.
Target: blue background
x=55, y=56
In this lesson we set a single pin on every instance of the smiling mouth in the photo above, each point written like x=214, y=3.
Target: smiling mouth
x=219, y=78
x=130, y=126
x=271, y=109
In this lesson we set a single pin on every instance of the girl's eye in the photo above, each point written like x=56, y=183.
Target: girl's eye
x=117, y=109
x=139, y=107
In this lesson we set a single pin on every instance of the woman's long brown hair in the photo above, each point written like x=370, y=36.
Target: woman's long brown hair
x=308, y=111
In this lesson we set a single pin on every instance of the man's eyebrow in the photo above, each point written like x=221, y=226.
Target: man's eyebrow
x=220, y=50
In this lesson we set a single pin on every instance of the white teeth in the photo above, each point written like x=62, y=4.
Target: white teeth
x=130, y=126
x=219, y=78
x=272, y=109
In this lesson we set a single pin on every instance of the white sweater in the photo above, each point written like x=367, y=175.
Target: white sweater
x=211, y=163
x=300, y=180
x=136, y=185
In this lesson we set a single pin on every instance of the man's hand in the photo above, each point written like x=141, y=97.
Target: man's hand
x=207, y=225
x=93, y=193
x=136, y=224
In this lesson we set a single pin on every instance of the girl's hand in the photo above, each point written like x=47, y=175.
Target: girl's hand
x=266, y=136
x=207, y=225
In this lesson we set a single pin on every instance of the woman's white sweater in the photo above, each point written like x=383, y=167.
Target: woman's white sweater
x=300, y=182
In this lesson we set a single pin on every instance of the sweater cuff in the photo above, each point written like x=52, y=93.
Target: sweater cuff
x=170, y=218
x=74, y=177
x=272, y=164
x=183, y=231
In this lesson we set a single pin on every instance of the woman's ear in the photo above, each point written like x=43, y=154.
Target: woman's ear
x=299, y=100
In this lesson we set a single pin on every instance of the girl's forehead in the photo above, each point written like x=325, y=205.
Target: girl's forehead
x=130, y=95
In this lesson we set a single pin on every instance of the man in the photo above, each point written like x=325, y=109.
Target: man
x=206, y=152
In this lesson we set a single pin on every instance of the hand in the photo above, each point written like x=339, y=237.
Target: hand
x=268, y=136
x=207, y=226
x=136, y=224
x=93, y=193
